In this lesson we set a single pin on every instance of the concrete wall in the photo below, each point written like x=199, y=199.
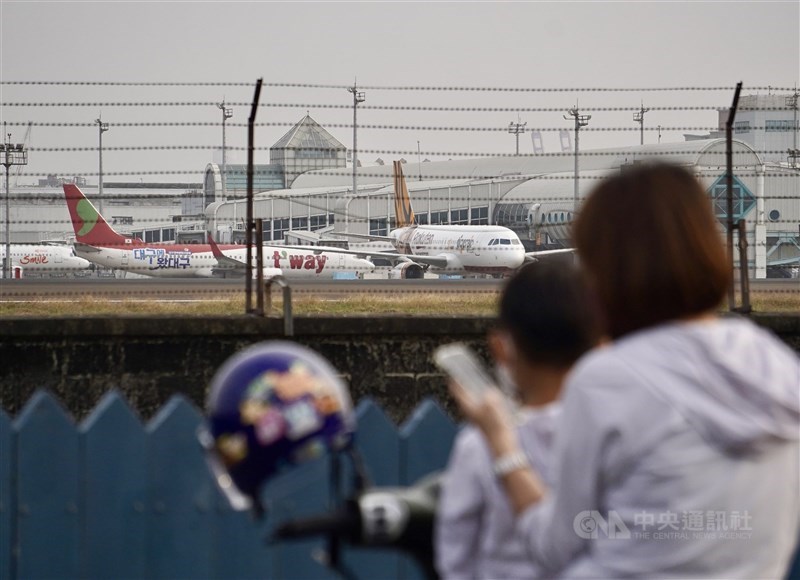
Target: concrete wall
x=149, y=359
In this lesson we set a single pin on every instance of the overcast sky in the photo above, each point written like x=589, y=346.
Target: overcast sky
x=533, y=45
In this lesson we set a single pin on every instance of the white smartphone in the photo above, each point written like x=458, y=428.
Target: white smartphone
x=462, y=364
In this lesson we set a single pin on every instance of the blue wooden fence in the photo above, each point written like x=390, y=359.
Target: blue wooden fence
x=112, y=498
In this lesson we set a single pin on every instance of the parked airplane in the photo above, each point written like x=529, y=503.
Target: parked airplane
x=99, y=243
x=449, y=249
x=43, y=258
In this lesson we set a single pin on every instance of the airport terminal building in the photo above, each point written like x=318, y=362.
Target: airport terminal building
x=307, y=189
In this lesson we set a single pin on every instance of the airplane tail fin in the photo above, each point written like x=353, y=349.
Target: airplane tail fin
x=402, y=202
x=215, y=251
x=89, y=226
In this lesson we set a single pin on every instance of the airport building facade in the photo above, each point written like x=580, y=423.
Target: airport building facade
x=307, y=189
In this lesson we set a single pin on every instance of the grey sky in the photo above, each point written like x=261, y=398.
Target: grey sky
x=532, y=45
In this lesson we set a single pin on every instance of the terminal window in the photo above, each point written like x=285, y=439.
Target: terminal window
x=480, y=216
x=778, y=125
x=459, y=217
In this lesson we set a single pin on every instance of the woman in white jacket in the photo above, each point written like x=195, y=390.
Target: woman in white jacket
x=677, y=450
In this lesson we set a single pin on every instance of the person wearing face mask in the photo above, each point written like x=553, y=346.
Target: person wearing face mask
x=545, y=324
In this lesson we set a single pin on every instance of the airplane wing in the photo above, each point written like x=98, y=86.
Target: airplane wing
x=224, y=262
x=85, y=248
x=536, y=256
x=369, y=237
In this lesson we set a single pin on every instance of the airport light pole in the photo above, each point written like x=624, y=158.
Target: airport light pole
x=419, y=162
x=12, y=155
x=358, y=97
x=227, y=113
x=102, y=128
x=580, y=121
x=638, y=117
x=517, y=128
x=791, y=102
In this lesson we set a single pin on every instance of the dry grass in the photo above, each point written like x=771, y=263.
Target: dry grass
x=405, y=304
x=415, y=304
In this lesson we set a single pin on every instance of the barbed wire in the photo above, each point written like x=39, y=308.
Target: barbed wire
x=364, y=171
x=500, y=129
x=371, y=107
x=392, y=87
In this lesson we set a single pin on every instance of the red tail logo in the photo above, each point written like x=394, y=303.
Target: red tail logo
x=89, y=226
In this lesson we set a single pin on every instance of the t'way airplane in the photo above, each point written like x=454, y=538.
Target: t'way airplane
x=449, y=249
x=43, y=258
x=99, y=243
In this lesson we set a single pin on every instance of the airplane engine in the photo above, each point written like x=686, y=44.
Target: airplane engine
x=406, y=271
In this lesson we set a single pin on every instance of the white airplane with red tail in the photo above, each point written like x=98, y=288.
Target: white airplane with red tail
x=98, y=242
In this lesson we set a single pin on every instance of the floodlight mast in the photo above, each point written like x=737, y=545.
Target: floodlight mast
x=102, y=128
x=358, y=97
x=517, y=128
x=12, y=155
x=791, y=102
x=227, y=113
x=580, y=121
x=638, y=117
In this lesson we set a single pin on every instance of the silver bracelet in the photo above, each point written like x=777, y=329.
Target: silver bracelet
x=510, y=462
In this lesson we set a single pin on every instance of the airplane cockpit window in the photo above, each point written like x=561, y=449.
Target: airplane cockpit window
x=493, y=242
x=505, y=242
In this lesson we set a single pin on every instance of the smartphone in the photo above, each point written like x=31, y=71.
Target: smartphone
x=463, y=365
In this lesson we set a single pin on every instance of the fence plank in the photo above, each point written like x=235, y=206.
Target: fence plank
x=114, y=491
x=301, y=492
x=240, y=547
x=182, y=496
x=47, y=488
x=378, y=443
x=425, y=442
x=6, y=509
x=426, y=439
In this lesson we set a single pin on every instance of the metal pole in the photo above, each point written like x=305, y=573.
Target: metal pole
x=580, y=121
x=419, y=162
x=515, y=129
x=7, y=260
x=226, y=114
x=792, y=102
x=357, y=98
x=13, y=155
x=102, y=128
x=250, y=226
x=729, y=185
x=260, y=266
x=638, y=117
x=575, y=193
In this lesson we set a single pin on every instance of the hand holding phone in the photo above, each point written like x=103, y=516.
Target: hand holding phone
x=461, y=363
